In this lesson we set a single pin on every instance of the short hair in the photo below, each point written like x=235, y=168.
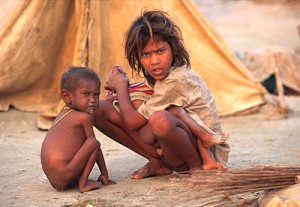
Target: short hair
x=155, y=25
x=71, y=77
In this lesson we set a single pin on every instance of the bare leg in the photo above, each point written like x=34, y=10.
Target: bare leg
x=172, y=134
x=149, y=169
x=85, y=184
x=205, y=153
x=206, y=138
x=80, y=165
x=208, y=162
x=107, y=120
x=110, y=123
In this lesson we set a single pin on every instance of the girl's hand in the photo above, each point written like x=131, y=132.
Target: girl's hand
x=116, y=78
x=120, y=69
x=105, y=181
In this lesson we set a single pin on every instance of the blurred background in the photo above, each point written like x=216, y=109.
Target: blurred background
x=238, y=43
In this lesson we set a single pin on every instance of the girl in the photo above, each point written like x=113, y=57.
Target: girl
x=154, y=47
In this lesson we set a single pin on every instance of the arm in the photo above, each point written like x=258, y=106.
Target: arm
x=89, y=132
x=116, y=81
x=103, y=178
x=86, y=122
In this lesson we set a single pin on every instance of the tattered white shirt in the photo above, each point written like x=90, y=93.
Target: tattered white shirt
x=184, y=88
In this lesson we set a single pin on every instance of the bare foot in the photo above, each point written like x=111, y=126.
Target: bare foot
x=214, y=139
x=212, y=166
x=105, y=181
x=89, y=185
x=152, y=168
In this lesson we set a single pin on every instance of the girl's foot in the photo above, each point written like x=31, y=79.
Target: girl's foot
x=214, y=139
x=152, y=168
x=212, y=166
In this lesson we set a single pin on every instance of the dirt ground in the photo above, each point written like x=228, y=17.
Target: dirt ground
x=266, y=137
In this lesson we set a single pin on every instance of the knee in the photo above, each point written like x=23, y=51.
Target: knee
x=93, y=143
x=160, y=123
x=147, y=138
x=176, y=111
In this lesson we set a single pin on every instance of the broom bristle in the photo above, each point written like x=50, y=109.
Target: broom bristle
x=219, y=185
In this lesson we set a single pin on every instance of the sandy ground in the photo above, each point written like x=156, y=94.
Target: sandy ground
x=261, y=138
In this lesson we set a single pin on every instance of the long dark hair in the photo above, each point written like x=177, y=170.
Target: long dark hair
x=154, y=25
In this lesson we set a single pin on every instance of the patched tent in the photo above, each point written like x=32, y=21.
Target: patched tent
x=40, y=39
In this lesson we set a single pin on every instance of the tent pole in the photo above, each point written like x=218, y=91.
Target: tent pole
x=280, y=90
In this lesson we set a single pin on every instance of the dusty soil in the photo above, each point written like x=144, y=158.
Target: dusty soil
x=266, y=137
x=261, y=138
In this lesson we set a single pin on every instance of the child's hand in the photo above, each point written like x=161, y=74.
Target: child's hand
x=110, y=96
x=116, y=78
x=120, y=69
x=105, y=181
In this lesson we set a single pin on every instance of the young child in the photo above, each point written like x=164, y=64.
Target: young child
x=70, y=149
x=154, y=48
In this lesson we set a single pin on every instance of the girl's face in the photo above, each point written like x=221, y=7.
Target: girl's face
x=85, y=97
x=156, y=58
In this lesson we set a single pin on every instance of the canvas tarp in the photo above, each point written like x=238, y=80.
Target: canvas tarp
x=40, y=39
x=263, y=62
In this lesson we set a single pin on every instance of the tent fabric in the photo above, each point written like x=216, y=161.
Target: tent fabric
x=40, y=39
x=263, y=61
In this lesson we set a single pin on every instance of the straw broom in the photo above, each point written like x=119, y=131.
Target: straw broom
x=217, y=186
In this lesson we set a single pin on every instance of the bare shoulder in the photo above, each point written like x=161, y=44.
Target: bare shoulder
x=69, y=127
x=69, y=121
x=78, y=117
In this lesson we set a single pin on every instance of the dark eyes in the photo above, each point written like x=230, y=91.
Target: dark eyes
x=88, y=93
x=159, y=51
x=144, y=54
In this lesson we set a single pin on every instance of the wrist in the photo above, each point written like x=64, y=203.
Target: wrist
x=122, y=87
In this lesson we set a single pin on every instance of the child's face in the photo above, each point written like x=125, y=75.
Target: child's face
x=156, y=58
x=85, y=97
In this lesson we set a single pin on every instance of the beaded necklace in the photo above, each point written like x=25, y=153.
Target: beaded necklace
x=65, y=108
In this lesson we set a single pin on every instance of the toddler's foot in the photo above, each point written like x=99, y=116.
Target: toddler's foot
x=214, y=139
x=152, y=168
x=105, y=181
x=90, y=185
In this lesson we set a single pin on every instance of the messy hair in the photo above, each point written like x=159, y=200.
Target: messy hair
x=71, y=77
x=154, y=25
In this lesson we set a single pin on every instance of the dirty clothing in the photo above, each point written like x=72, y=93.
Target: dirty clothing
x=136, y=91
x=184, y=88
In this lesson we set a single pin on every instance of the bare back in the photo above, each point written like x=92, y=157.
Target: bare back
x=64, y=140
